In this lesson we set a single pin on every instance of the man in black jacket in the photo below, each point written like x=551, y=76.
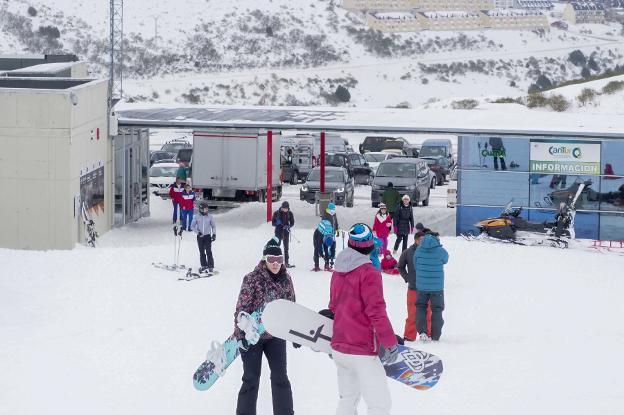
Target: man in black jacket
x=283, y=220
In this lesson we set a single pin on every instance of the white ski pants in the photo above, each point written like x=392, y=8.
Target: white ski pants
x=361, y=376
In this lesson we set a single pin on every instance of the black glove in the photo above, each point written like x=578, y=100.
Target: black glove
x=399, y=339
x=327, y=313
x=200, y=234
x=214, y=238
x=296, y=345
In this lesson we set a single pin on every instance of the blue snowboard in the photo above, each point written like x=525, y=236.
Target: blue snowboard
x=205, y=376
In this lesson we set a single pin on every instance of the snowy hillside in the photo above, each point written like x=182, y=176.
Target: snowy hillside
x=296, y=53
x=100, y=331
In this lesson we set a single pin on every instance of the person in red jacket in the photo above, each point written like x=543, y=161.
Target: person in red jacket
x=362, y=330
x=389, y=264
x=382, y=225
x=187, y=204
x=175, y=193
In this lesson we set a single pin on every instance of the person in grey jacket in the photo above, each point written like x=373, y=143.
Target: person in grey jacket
x=204, y=226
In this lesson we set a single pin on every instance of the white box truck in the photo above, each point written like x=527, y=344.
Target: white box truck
x=232, y=165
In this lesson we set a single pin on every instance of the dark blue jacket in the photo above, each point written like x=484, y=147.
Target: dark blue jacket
x=430, y=258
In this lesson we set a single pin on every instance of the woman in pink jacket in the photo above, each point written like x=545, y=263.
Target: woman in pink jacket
x=382, y=226
x=362, y=332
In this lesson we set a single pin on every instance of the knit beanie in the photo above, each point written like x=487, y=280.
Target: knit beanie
x=361, y=238
x=272, y=247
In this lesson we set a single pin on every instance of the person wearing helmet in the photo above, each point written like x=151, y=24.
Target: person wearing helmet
x=331, y=216
x=403, y=220
x=324, y=244
x=206, y=230
x=362, y=330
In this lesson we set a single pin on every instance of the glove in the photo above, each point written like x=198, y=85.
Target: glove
x=399, y=339
x=337, y=234
x=214, y=238
x=327, y=313
x=200, y=234
x=389, y=356
x=296, y=345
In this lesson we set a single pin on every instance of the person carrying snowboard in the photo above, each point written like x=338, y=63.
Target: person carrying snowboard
x=430, y=258
x=175, y=193
x=324, y=245
x=382, y=226
x=283, y=220
x=267, y=282
x=391, y=198
x=187, y=205
x=362, y=330
x=204, y=226
x=403, y=220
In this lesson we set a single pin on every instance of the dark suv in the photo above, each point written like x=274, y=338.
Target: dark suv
x=355, y=164
x=375, y=143
x=409, y=176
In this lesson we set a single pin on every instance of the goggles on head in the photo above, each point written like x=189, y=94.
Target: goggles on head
x=274, y=259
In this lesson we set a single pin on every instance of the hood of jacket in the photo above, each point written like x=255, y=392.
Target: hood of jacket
x=349, y=259
x=430, y=242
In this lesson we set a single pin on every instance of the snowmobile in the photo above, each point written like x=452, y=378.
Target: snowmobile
x=510, y=227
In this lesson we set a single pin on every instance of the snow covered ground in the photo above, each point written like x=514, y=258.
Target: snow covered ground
x=100, y=331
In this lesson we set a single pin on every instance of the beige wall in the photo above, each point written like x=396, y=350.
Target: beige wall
x=464, y=5
x=518, y=22
x=393, y=25
x=45, y=141
x=378, y=4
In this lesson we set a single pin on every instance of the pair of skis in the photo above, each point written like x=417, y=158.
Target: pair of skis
x=177, y=243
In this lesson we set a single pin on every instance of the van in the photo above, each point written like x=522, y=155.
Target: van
x=437, y=147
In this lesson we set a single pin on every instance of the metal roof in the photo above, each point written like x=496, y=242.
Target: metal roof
x=515, y=120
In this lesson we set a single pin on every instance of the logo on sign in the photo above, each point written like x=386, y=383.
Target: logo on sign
x=565, y=152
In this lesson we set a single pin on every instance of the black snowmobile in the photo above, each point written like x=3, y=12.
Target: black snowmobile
x=510, y=227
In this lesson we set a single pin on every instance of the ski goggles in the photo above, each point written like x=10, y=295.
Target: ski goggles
x=274, y=259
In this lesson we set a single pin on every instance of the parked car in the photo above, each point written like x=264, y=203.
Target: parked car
x=400, y=146
x=337, y=180
x=174, y=145
x=159, y=156
x=375, y=144
x=355, y=164
x=184, y=157
x=441, y=166
x=437, y=148
x=374, y=158
x=409, y=176
x=163, y=174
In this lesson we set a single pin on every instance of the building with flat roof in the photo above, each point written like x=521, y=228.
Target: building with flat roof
x=585, y=12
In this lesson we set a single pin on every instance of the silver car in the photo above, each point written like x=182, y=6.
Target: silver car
x=409, y=176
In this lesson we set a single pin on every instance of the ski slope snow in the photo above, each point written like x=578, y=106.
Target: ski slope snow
x=100, y=331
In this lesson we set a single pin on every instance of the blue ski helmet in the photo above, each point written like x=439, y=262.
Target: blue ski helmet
x=328, y=240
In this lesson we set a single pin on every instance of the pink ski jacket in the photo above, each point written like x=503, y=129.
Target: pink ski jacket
x=356, y=298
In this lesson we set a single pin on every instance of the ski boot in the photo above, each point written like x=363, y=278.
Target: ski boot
x=316, y=269
x=424, y=338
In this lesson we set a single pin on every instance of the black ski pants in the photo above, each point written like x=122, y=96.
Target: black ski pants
x=284, y=238
x=399, y=238
x=437, y=306
x=275, y=351
x=204, y=243
x=320, y=249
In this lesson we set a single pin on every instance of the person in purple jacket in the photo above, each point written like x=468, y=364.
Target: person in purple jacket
x=267, y=282
x=362, y=330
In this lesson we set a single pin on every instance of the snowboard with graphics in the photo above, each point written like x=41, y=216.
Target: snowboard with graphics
x=298, y=324
x=221, y=355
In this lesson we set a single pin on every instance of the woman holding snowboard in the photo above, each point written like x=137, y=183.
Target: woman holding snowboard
x=267, y=282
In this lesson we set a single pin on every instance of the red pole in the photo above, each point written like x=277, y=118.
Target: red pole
x=269, y=197
x=322, y=155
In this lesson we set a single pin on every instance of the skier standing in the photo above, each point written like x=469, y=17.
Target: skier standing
x=283, y=220
x=175, y=193
x=430, y=258
x=382, y=225
x=267, y=282
x=324, y=244
x=360, y=326
x=391, y=198
x=187, y=204
x=408, y=271
x=206, y=230
x=403, y=220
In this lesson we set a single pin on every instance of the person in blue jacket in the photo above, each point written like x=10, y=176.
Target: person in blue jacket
x=430, y=258
x=374, y=256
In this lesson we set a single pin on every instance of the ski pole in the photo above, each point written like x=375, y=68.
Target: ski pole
x=179, y=245
x=290, y=234
x=175, y=243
